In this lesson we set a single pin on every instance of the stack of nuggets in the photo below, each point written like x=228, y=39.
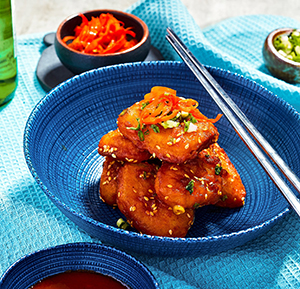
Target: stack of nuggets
x=163, y=162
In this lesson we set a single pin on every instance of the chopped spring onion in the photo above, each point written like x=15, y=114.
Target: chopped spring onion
x=122, y=224
x=288, y=45
x=190, y=186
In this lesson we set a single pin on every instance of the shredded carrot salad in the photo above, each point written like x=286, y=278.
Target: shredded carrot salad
x=162, y=104
x=101, y=35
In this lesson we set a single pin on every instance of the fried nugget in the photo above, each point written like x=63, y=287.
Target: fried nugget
x=114, y=144
x=190, y=185
x=109, y=182
x=175, y=145
x=210, y=179
x=137, y=200
x=233, y=190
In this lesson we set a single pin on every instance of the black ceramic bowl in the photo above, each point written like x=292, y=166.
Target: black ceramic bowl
x=280, y=66
x=78, y=62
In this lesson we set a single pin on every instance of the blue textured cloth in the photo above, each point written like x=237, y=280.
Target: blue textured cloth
x=29, y=221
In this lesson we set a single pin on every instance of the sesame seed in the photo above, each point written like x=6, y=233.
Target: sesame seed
x=166, y=197
x=100, y=149
x=134, y=190
x=192, y=171
x=187, y=146
x=104, y=183
x=109, y=178
x=170, y=232
x=188, y=215
x=205, y=196
x=132, y=208
x=168, y=155
x=119, y=194
x=154, y=155
x=187, y=176
x=150, y=191
x=199, y=140
x=178, y=140
x=114, y=156
x=151, y=213
x=147, y=212
x=146, y=198
x=158, y=147
x=169, y=143
x=108, y=173
x=169, y=186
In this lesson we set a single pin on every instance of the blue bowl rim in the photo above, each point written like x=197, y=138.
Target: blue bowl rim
x=122, y=232
x=83, y=245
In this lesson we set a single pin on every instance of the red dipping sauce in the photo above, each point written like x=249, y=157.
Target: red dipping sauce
x=79, y=280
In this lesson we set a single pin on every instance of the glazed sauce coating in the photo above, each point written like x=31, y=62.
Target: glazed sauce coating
x=79, y=280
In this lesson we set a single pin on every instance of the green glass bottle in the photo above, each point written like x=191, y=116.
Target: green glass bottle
x=8, y=60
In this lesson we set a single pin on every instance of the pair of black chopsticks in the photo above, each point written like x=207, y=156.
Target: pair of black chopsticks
x=228, y=107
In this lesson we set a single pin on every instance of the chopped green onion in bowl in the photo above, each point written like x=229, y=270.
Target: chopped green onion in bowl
x=288, y=45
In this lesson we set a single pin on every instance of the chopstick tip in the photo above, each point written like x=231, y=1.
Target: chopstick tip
x=169, y=30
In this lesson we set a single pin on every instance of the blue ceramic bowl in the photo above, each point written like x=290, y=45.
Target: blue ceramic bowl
x=63, y=131
x=77, y=256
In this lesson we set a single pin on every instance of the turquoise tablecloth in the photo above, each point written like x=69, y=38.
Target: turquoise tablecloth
x=29, y=221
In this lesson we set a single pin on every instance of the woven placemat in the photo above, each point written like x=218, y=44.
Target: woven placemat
x=29, y=221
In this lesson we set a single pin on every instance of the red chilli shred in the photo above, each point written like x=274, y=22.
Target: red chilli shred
x=162, y=104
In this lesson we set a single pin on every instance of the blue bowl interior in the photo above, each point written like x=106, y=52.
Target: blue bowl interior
x=78, y=256
x=63, y=131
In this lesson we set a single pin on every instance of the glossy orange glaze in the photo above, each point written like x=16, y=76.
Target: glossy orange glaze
x=78, y=280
